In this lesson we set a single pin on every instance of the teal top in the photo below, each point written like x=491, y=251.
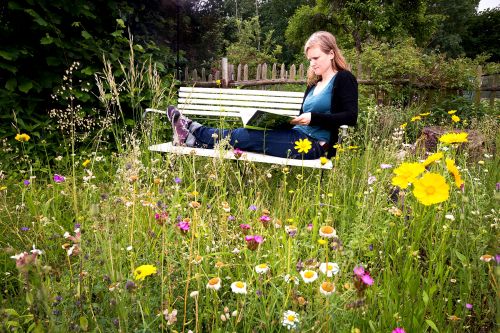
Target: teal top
x=320, y=103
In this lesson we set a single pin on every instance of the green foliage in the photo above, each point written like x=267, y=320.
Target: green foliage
x=252, y=48
x=482, y=35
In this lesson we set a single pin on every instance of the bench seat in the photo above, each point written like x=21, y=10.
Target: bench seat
x=246, y=156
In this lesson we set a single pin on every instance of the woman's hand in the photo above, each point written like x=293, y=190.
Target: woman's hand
x=303, y=119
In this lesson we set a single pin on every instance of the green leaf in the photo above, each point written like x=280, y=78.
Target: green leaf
x=8, y=55
x=84, y=323
x=86, y=35
x=117, y=33
x=37, y=18
x=8, y=67
x=14, y=5
x=11, y=312
x=11, y=84
x=75, y=24
x=46, y=40
x=425, y=297
x=432, y=325
x=120, y=23
x=25, y=86
x=53, y=61
x=461, y=257
x=87, y=71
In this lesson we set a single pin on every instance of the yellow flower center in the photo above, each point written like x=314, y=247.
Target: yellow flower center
x=430, y=190
x=239, y=284
x=329, y=267
x=213, y=281
x=291, y=318
x=327, y=230
x=198, y=258
x=308, y=274
x=263, y=266
x=327, y=286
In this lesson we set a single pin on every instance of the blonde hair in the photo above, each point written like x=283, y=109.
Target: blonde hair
x=326, y=42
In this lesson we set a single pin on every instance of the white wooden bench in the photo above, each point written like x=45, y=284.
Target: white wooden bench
x=236, y=103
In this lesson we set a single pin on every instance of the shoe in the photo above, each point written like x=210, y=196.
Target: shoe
x=180, y=125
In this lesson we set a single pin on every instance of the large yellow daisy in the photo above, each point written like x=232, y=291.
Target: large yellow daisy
x=303, y=145
x=450, y=138
x=452, y=168
x=406, y=173
x=431, y=189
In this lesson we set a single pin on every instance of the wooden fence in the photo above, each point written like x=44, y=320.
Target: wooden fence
x=230, y=75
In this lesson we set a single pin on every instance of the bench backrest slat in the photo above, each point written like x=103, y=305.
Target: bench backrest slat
x=232, y=102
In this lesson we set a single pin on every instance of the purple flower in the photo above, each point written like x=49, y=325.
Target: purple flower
x=183, y=226
x=265, y=218
x=231, y=218
x=497, y=258
x=370, y=247
x=77, y=225
x=245, y=226
x=498, y=187
x=468, y=306
x=398, y=330
x=367, y=279
x=359, y=271
x=26, y=182
x=177, y=180
x=59, y=178
x=25, y=229
x=130, y=285
x=252, y=207
x=371, y=179
x=310, y=227
x=385, y=166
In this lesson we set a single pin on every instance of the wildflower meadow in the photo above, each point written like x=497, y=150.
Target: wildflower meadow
x=395, y=238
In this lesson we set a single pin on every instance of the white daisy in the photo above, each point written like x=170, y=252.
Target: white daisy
x=214, y=283
x=290, y=319
x=239, y=287
x=327, y=231
x=329, y=268
x=309, y=276
x=327, y=288
x=262, y=269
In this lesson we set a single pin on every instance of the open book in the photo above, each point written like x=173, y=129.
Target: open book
x=262, y=120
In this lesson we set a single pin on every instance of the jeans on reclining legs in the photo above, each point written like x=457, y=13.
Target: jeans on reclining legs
x=278, y=143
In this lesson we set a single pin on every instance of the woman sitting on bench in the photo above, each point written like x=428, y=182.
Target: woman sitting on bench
x=330, y=100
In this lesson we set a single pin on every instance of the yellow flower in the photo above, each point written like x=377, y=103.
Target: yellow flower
x=452, y=111
x=214, y=283
x=452, y=168
x=403, y=126
x=352, y=147
x=85, y=163
x=218, y=82
x=303, y=145
x=424, y=114
x=327, y=288
x=406, y=173
x=431, y=189
x=433, y=158
x=142, y=271
x=455, y=118
x=416, y=118
x=322, y=241
x=323, y=160
x=450, y=138
x=22, y=137
x=3, y=188
x=309, y=276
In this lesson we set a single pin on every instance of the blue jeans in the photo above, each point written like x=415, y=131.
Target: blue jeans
x=278, y=143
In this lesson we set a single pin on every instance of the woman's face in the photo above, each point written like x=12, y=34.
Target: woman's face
x=321, y=62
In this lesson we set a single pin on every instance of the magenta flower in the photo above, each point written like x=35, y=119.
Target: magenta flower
x=468, y=306
x=398, y=330
x=359, y=271
x=245, y=226
x=237, y=152
x=367, y=279
x=253, y=241
x=265, y=218
x=183, y=226
x=59, y=178
x=309, y=227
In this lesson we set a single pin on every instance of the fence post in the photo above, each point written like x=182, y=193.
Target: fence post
x=245, y=72
x=238, y=76
x=259, y=70
x=478, y=84
x=301, y=71
x=203, y=75
x=195, y=75
x=225, y=72
x=292, y=72
x=264, y=71
x=186, y=73
x=273, y=72
x=282, y=71
x=493, y=93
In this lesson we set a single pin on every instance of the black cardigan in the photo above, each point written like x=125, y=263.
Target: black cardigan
x=344, y=109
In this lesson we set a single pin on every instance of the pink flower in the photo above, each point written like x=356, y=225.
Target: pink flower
x=237, y=152
x=244, y=226
x=359, y=271
x=398, y=330
x=253, y=241
x=367, y=279
x=183, y=226
x=59, y=178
